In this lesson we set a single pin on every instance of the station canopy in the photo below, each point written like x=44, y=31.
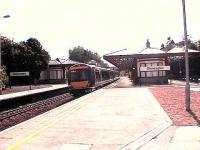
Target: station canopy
x=124, y=58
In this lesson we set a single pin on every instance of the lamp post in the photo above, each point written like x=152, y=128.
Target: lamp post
x=187, y=87
x=63, y=69
x=6, y=16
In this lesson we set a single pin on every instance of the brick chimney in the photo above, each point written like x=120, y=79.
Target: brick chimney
x=148, y=44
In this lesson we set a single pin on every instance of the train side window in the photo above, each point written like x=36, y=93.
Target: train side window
x=98, y=77
x=105, y=75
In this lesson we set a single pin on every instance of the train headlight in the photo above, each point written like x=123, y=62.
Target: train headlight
x=88, y=85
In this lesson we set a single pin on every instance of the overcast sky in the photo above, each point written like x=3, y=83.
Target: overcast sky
x=102, y=26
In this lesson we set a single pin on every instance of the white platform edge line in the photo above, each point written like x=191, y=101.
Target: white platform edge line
x=161, y=110
x=72, y=103
x=30, y=92
x=153, y=133
x=146, y=137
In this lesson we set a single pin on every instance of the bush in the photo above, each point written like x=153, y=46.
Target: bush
x=3, y=77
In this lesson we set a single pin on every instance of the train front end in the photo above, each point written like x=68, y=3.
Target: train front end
x=81, y=79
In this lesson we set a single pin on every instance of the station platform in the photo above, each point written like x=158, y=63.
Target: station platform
x=18, y=93
x=117, y=117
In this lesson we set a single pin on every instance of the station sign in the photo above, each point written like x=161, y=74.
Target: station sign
x=19, y=74
x=155, y=68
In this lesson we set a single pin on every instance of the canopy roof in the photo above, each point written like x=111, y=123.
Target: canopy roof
x=151, y=51
x=177, y=50
x=119, y=59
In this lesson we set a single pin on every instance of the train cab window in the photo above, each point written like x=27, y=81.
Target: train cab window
x=79, y=75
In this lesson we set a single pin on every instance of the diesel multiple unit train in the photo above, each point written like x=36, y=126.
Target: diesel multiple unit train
x=84, y=78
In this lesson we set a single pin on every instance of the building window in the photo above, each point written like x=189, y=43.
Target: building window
x=56, y=74
x=152, y=73
x=143, y=73
x=160, y=73
x=155, y=73
x=149, y=73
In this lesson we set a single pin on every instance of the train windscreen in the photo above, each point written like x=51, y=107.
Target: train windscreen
x=79, y=75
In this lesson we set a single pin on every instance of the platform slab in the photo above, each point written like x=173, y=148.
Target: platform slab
x=107, y=119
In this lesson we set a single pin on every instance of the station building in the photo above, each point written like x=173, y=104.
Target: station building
x=57, y=71
x=148, y=66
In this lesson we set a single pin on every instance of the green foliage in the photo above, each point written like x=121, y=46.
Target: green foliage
x=191, y=44
x=83, y=55
x=24, y=56
x=38, y=56
x=178, y=68
x=170, y=44
x=3, y=77
x=198, y=45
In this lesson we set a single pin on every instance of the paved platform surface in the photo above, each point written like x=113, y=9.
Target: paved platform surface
x=29, y=92
x=108, y=119
x=193, y=86
x=119, y=117
x=176, y=138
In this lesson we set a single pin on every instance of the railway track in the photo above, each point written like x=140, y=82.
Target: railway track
x=21, y=109
x=11, y=117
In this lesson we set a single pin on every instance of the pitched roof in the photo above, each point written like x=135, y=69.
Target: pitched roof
x=143, y=51
x=151, y=51
x=182, y=50
x=59, y=61
x=120, y=52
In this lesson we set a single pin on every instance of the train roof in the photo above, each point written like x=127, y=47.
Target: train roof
x=90, y=66
x=82, y=64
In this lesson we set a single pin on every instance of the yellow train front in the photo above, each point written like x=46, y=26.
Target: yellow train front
x=84, y=78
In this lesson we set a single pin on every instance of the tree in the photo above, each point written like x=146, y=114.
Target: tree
x=84, y=55
x=170, y=44
x=79, y=54
x=24, y=56
x=38, y=57
x=198, y=45
x=6, y=47
x=191, y=44
x=3, y=77
x=177, y=67
x=162, y=46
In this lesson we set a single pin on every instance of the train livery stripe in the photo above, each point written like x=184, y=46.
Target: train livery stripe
x=79, y=68
x=27, y=139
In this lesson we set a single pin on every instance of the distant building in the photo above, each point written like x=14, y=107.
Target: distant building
x=57, y=71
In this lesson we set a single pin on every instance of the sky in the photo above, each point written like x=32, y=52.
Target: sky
x=102, y=26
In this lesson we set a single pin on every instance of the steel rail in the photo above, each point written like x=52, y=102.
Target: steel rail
x=33, y=106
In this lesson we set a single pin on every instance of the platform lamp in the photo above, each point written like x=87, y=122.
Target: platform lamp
x=58, y=60
x=187, y=87
x=6, y=16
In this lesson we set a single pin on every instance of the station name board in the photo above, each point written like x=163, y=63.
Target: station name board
x=154, y=68
x=17, y=74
